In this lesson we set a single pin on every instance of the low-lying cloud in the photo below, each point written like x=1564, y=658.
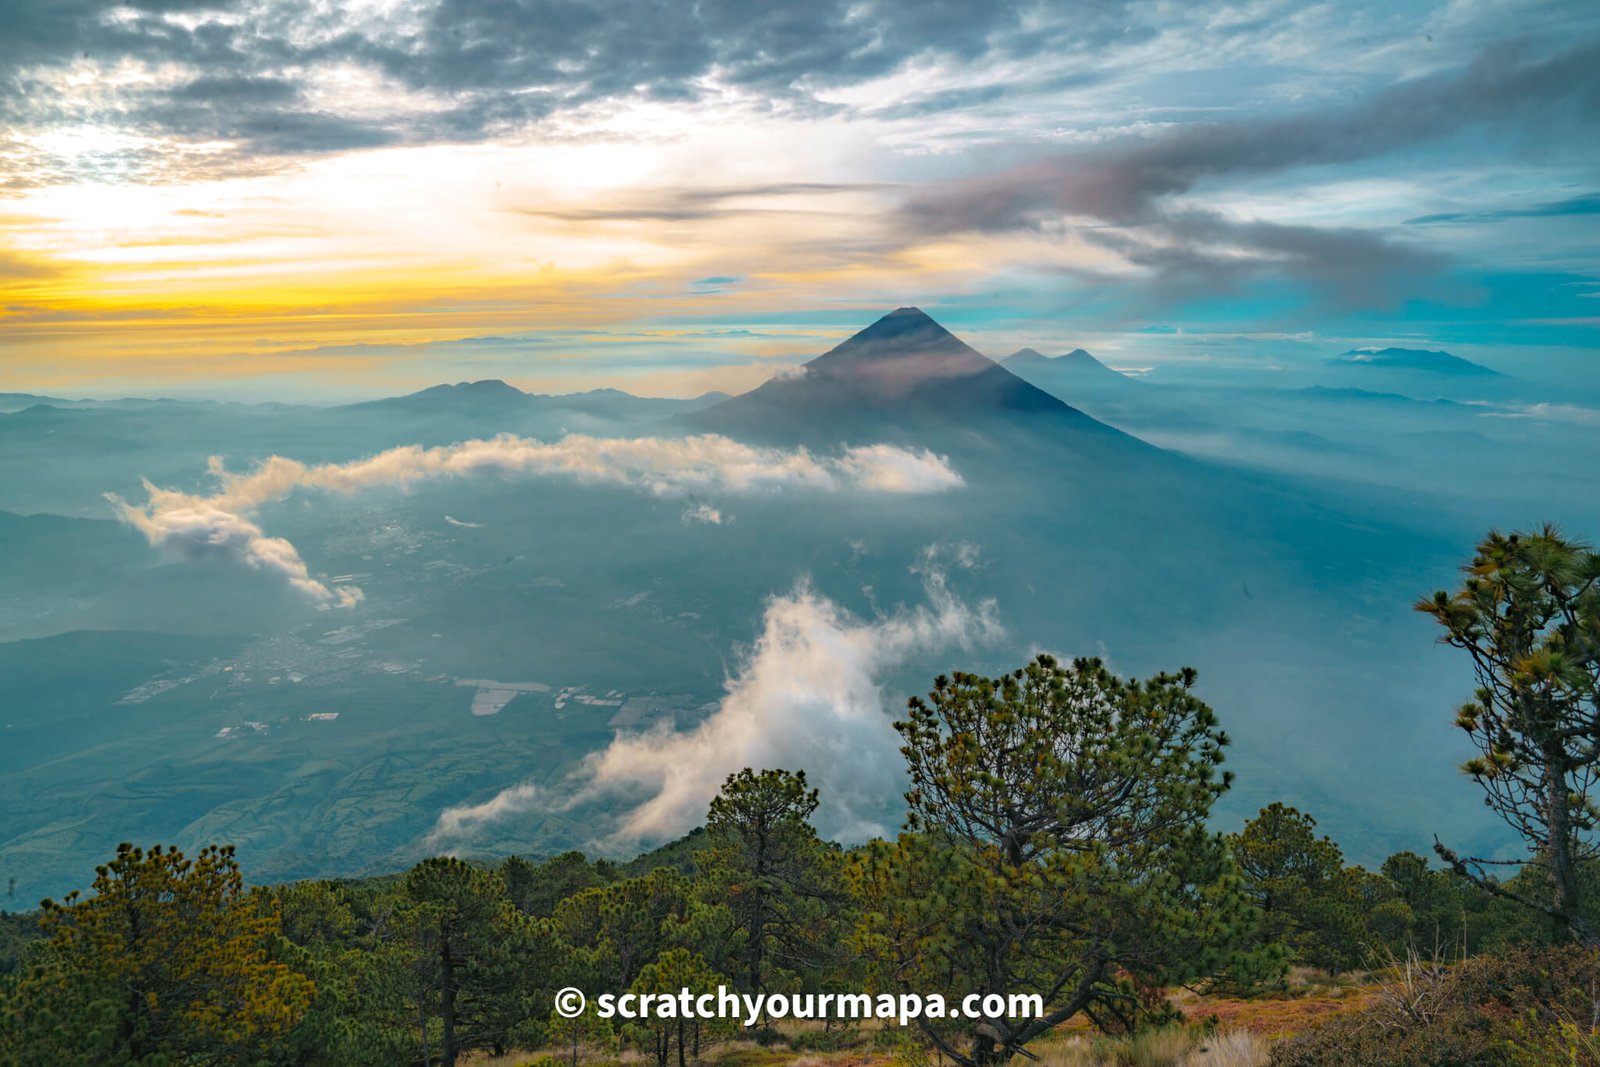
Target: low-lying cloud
x=808, y=696
x=220, y=524
x=702, y=515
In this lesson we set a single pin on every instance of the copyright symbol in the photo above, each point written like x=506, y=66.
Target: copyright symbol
x=569, y=1003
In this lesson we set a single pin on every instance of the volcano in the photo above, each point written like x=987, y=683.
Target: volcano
x=903, y=373
x=1077, y=367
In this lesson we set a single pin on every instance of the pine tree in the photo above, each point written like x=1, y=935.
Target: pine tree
x=573, y=1034
x=474, y=954
x=668, y=1029
x=536, y=888
x=1528, y=614
x=766, y=865
x=167, y=960
x=1057, y=846
x=623, y=926
x=1309, y=901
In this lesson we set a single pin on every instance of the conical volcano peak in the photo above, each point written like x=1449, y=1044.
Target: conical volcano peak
x=904, y=371
x=900, y=349
x=903, y=326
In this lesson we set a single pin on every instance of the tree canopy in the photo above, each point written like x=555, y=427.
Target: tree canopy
x=1056, y=843
x=1528, y=615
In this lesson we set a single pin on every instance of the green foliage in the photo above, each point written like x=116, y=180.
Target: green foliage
x=1310, y=902
x=17, y=932
x=662, y=1035
x=1442, y=915
x=623, y=926
x=536, y=888
x=767, y=870
x=364, y=1011
x=167, y=961
x=472, y=952
x=1056, y=843
x=1528, y=615
x=679, y=854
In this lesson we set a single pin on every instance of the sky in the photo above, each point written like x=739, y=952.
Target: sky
x=319, y=200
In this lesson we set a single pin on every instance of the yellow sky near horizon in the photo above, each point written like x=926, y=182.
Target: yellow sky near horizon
x=627, y=219
x=351, y=196
x=395, y=247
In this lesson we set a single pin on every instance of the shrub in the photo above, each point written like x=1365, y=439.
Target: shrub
x=768, y=1036
x=1489, y=1011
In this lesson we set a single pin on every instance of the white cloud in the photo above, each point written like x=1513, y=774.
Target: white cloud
x=807, y=697
x=219, y=523
x=197, y=526
x=703, y=514
x=891, y=469
x=1546, y=412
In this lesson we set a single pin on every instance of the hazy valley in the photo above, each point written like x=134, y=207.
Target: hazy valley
x=683, y=605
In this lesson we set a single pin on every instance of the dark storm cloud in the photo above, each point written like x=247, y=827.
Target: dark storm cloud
x=576, y=51
x=495, y=64
x=1120, y=195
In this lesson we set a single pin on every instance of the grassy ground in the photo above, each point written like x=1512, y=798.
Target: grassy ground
x=1175, y=1047
x=1242, y=1035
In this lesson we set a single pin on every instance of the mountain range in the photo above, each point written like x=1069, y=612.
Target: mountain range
x=1268, y=532
x=1415, y=359
x=903, y=376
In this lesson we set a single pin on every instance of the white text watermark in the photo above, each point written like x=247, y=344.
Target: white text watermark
x=751, y=1008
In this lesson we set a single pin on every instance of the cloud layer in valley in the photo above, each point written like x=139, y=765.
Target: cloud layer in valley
x=808, y=696
x=220, y=524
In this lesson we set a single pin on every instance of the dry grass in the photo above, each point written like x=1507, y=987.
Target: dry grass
x=1172, y=1047
x=1246, y=1028
x=1231, y=1048
x=721, y=1054
x=511, y=1059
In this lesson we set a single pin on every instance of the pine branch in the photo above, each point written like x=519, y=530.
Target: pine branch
x=1460, y=866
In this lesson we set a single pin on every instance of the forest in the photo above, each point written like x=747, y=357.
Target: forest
x=1057, y=841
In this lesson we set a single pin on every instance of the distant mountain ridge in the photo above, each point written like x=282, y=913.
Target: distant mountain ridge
x=10, y=402
x=492, y=395
x=1416, y=359
x=1075, y=377
x=1349, y=394
x=1023, y=357
x=904, y=370
x=485, y=388
x=1078, y=361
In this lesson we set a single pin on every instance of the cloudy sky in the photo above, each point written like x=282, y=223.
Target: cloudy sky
x=308, y=198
